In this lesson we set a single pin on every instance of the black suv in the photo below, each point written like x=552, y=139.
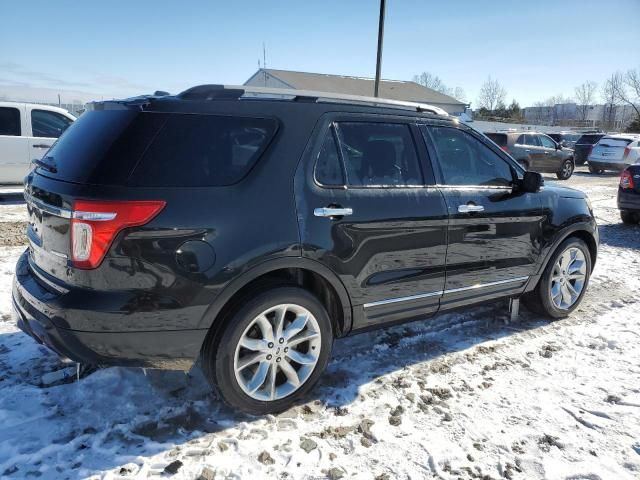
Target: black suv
x=584, y=145
x=252, y=228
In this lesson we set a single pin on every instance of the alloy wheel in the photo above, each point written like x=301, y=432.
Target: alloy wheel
x=277, y=352
x=567, y=169
x=568, y=278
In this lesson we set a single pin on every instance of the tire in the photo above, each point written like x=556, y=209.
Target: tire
x=580, y=162
x=596, y=170
x=628, y=217
x=566, y=171
x=540, y=300
x=222, y=353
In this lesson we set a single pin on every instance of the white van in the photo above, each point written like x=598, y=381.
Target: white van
x=26, y=132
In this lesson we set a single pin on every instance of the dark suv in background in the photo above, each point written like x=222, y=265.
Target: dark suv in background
x=565, y=139
x=250, y=228
x=536, y=152
x=584, y=146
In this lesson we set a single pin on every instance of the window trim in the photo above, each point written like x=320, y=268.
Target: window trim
x=516, y=170
x=330, y=130
x=19, y=134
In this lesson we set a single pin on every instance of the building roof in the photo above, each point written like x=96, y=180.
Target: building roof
x=392, y=89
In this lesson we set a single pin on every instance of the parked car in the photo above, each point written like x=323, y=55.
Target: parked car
x=584, y=146
x=27, y=131
x=251, y=231
x=536, y=152
x=566, y=139
x=629, y=194
x=614, y=152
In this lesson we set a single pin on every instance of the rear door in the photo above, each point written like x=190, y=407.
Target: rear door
x=45, y=128
x=494, y=232
x=534, y=149
x=14, y=146
x=368, y=209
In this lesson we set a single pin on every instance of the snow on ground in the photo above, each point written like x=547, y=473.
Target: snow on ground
x=460, y=396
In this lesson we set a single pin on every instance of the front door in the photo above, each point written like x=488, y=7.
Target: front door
x=552, y=156
x=368, y=209
x=494, y=231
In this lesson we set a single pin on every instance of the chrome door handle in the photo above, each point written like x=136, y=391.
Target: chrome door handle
x=332, y=212
x=470, y=208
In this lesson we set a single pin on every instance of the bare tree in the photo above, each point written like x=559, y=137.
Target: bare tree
x=585, y=96
x=626, y=88
x=491, y=94
x=433, y=82
x=609, y=94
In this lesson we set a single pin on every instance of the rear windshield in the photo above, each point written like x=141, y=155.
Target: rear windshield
x=117, y=147
x=589, y=139
x=499, y=139
x=614, y=142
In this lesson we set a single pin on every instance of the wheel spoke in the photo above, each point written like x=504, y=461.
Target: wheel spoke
x=566, y=295
x=290, y=373
x=296, y=326
x=301, y=358
x=302, y=337
x=266, y=329
x=255, y=344
x=574, y=293
x=279, y=322
x=273, y=372
x=247, y=360
x=259, y=377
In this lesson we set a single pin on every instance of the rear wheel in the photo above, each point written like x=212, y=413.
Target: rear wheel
x=593, y=169
x=564, y=281
x=629, y=217
x=271, y=351
x=566, y=171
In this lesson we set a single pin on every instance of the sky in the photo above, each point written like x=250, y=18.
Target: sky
x=92, y=50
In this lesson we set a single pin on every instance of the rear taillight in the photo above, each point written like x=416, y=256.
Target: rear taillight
x=626, y=153
x=94, y=225
x=626, y=180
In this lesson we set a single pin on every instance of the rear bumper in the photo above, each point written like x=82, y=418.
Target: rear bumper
x=628, y=200
x=36, y=308
x=617, y=166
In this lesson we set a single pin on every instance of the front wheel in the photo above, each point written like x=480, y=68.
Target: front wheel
x=566, y=171
x=271, y=351
x=564, y=281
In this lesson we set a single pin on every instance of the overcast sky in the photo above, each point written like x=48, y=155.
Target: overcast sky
x=88, y=50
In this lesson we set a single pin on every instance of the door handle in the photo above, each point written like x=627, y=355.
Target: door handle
x=470, y=208
x=332, y=212
x=527, y=150
x=41, y=145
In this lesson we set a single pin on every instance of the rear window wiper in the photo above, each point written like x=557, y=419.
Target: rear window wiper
x=47, y=166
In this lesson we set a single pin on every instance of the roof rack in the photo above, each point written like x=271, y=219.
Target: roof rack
x=245, y=92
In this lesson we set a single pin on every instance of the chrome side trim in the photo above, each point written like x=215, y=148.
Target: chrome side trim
x=484, y=285
x=50, y=209
x=443, y=292
x=403, y=299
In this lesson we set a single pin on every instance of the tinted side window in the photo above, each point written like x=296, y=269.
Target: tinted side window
x=9, y=121
x=328, y=167
x=203, y=150
x=546, y=141
x=499, y=139
x=48, y=124
x=532, y=140
x=379, y=154
x=521, y=140
x=467, y=161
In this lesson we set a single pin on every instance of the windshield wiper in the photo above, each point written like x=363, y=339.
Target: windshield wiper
x=47, y=166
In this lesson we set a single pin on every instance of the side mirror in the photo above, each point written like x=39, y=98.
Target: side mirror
x=531, y=182
x=559, y=146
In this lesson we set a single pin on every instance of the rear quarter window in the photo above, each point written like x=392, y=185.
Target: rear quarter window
x=614, y=142
x=588, y=139
x=203, y=150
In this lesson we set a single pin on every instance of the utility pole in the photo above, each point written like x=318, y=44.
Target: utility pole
x=380, y=39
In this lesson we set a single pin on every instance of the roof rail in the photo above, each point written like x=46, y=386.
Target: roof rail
x=244, y=92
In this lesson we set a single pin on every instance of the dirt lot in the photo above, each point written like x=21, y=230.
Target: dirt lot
x=462, y=396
